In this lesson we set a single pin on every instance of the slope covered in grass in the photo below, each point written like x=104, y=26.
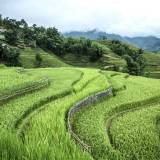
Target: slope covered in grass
x=122, y=126
x=153, y=64
x=109, y=58
x=13, y=79
x=27, y=58
x=94, y=123
x=136, y=135
x=34, y=124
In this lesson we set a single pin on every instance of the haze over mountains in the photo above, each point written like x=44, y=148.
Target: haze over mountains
x=150, y=43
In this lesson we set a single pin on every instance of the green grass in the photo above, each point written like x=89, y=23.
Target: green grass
x=14, y=79
x=153, y=64
x=123, y=126
x=139, y=137
x=61, y=81
x=27, y=58
x=55, y=130
x=40, y=116
x=108, y=58
x=152, y=58
x=92, y=124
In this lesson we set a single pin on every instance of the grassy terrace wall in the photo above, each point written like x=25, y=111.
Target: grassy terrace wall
x=30, y=88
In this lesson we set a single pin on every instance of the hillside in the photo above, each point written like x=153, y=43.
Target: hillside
x=34, y=46
x=149, y=43
x=153, y=64
x=27, y=58
x=45, y=112
x=79, y=95
x=108, y=60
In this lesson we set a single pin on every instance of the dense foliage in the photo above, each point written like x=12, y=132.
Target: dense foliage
x=38, y=60
x=20, y=34
x=83, y=46
x=9, y=55
x=134, y=58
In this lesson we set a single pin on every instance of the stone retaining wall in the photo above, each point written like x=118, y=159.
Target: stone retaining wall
x=83, y=103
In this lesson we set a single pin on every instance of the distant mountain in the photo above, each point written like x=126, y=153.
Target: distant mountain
x=149, y=43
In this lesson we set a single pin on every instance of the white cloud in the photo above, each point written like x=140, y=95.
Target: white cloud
x=126, y=17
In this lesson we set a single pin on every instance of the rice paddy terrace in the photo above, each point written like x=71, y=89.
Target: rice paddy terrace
x=119, y=120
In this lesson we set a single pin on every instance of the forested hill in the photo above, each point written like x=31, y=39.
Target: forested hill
x=37, y=46
x=149, y=43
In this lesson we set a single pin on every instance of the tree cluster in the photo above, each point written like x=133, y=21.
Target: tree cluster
x=134, y=58
x=9, y=55
x=18, y=32
x=83, y=46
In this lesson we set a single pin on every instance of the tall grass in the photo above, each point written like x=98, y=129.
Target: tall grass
x=90, y=123
x=45, y=133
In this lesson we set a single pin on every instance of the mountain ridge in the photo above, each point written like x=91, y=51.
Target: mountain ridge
x=150, y=43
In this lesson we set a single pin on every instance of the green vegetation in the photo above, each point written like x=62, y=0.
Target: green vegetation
x=93, y=124
x=28, y=58
x=34, y=123
x=9, y=55
x=152, y=68
x=46, y=109
x=34, y=102
x=142, y=131
x=14, y=79
x=113, y=55
x=134, y=58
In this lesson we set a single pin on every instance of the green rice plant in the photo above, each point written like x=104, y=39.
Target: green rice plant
x=135, y=133
x=34, y=86
x=125, y=126
x=46, y=136
x=60, y=81
x=90, y=122
x=49, y=126
x=88, y=76
x=12, y=81
x=116, y=80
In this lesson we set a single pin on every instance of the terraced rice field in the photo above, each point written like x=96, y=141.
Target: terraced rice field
x=33, y=124
x=125, y=126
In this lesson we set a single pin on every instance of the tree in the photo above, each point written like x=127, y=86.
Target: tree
x=134, y=58
x=38, y=60
x=1, y=20
x=23, y=23
x=132, y=66
x=8, y=55
x=28, y=35
x=140, y=51
x=95, y=53
x=118, y=48
x=11, y=36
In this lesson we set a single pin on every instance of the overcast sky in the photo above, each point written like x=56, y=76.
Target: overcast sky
x=125, y=17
